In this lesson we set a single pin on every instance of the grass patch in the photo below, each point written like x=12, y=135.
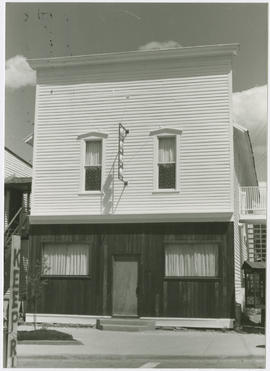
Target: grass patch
x=43, y=334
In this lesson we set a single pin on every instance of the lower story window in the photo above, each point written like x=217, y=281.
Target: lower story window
x=65, y=259
x=191, y=260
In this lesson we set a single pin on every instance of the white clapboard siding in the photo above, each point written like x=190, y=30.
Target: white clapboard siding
x=191, y=95
x=244, y=175
x=15, y=166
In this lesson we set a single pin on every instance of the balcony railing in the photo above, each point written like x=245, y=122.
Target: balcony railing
x=252, y=200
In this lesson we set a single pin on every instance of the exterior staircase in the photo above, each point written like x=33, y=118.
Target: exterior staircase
x=125, y=324
x=19, y=224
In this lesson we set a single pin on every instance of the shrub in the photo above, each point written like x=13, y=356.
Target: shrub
x=43, y=334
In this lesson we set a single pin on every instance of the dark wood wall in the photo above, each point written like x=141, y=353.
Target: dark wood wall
x=158, y=296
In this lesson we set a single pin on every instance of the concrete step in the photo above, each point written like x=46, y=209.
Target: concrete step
x=118, y=327
x=128, y=321
x=119, y=324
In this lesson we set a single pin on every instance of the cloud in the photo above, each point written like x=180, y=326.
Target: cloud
x=250, y=111
x=250, y=107
x=156, y=45
x=19, y=73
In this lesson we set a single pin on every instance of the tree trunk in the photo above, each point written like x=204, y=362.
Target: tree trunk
x=35, y=313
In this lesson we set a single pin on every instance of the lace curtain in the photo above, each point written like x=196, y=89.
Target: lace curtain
x=65, y=259
x=93, y=154
x=191, y=260
x=166, y=150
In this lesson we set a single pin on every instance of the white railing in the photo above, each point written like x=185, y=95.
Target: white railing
x=252, y=200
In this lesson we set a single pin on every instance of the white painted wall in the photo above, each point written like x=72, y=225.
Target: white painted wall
x=188, y=94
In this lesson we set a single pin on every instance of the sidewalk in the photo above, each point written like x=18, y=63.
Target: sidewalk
x=96, y=344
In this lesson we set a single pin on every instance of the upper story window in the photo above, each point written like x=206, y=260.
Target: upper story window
x=92, y=162
x=166, y=162
x=166, y=159
x=93, y=165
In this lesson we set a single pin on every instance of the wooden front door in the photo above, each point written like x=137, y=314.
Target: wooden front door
x=125, y=286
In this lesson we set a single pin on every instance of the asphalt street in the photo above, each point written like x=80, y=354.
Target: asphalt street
x=180, y=362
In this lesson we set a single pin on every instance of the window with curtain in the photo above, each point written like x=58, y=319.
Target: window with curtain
x=93, y=165
x=191, y=260
x=166, y=162
x=65, y=259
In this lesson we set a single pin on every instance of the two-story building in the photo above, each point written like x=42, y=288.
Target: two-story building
x=135, y=186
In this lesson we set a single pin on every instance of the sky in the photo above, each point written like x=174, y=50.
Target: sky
x=39, y=30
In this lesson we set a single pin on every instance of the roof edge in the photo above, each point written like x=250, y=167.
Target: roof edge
x=19, y=157
x=246, y=132
x=138, y=55
x=29, y=139
x=240, y=127
x=252, y=155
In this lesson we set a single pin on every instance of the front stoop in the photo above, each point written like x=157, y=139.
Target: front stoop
x=125, y=324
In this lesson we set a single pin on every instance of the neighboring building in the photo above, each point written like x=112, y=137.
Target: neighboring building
x=150, y=230
x=16, y=166
x=18, y=173
x=18, y=178
x=250, y=231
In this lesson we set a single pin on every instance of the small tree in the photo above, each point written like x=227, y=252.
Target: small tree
x=36, y=284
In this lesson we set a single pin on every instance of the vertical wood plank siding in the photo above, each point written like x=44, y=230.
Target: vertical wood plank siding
x=158, y=296
x=189, y=94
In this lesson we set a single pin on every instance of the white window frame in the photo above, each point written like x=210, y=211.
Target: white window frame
x=166, y=133
x=84, y=138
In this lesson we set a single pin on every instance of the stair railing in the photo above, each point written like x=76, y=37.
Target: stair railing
x=16, y=226
x=13, y=219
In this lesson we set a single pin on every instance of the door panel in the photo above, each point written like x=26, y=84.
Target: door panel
x=125, y=282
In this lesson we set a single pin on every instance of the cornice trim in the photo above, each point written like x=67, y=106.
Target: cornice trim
x=133, y=56
x=92, y=134
x=165, y=131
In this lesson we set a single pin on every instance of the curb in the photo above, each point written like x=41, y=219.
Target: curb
x=140, y=356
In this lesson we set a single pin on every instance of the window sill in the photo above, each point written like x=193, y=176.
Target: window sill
x=90, y=193
x=166, y=191
x=65, y=277
x=193, y=278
